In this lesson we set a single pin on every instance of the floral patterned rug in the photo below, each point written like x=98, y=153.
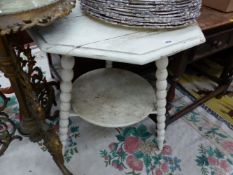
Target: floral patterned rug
x=197, y=144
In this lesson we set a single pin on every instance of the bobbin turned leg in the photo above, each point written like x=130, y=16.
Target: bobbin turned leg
x=67, y=64
x=161, y=93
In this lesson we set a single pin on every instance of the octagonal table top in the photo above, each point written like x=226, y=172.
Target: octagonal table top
x=83, y=36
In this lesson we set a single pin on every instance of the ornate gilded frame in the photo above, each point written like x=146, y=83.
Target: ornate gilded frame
x=33, y=112
x=40, y=16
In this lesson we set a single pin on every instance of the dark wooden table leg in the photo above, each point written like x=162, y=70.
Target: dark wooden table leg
x=224, y=83
x=227, y=71
x=33, y=122
x=195, y=104
x=177, y=66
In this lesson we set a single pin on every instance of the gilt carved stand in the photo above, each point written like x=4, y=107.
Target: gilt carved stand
x=31, y=109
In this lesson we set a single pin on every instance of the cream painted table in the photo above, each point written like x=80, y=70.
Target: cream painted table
x=113, y=97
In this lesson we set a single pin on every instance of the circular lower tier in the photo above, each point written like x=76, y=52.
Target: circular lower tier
x=112, y=97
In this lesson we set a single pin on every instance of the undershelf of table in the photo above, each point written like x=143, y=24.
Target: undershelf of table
x=112, y=97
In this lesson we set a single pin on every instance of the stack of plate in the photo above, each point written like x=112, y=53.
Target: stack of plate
x=144, y=13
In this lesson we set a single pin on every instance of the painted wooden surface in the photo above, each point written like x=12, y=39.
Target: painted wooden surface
x=112, y=97
x=82, y=36
x=67, y=64
x=161, y=94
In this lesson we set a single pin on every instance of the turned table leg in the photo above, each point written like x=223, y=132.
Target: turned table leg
x=67, y=64
x=161, y=93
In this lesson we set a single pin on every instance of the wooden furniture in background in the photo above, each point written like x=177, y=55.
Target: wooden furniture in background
x=218, y=29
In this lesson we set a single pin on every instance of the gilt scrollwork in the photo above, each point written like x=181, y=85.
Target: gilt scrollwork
x=43, y=89
x=7, y=126
x=35, y=95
